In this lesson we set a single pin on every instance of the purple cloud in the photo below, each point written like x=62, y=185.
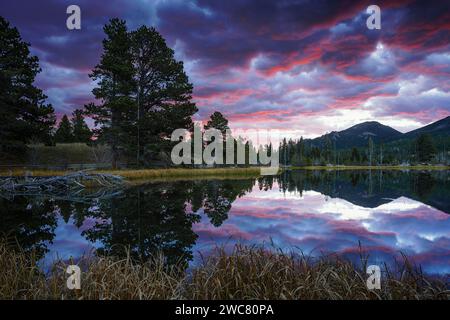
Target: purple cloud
x=271, y=64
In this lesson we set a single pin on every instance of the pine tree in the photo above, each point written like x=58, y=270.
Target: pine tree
x=283, y=152
x=327, y=149
x=64, y=133
x=370, y=150
x=301, y=150
x=24, y=115
x=425, y=148
x=355, y=158
x=217, y=121
x=81, y=131
x=163, y=93
x=114, y=75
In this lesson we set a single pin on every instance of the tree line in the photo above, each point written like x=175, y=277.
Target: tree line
x=303, y=152
x=143, y=94
x=24, y=114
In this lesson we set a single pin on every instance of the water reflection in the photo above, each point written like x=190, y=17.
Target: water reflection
x=318, y=212
x=31, y=222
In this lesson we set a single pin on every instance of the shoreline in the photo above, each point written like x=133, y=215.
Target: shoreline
x=150, y=174
x=386, y=167
x=135, y=175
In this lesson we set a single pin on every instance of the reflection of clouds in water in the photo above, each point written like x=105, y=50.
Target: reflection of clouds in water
x=400, y=204
x=171, y=216
x=68, y=241
x=315, y=223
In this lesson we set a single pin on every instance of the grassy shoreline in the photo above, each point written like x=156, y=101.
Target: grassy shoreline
x=245, y=273
x=137, y=175
x=151, y=174
x=387, y=167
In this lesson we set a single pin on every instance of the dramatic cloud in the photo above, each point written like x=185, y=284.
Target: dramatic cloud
x=303, y=67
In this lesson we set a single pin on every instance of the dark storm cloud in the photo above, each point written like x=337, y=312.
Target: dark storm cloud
x=261, y=60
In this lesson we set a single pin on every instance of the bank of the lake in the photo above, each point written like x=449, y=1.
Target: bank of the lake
x=384, y=167
x=149, y=174
x=137, y=175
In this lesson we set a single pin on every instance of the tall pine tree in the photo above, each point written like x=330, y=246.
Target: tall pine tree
x=114, y=75
x=217, y=121
x=144, y=91
x=81, y=131
x=163, y=94
x=64, y=133
x=24, y=115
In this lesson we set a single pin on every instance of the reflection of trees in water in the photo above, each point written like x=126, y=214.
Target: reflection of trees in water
x=159, y=217
x=144, y=220
x=216, y=197
x=354, y=177
x=372, y=188
x=29, y=222
x=422, y=184
x=265, y=182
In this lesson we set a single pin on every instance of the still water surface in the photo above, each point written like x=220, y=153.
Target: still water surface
x=388, y=212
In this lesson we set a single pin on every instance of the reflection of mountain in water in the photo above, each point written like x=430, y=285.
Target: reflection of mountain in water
x=371, y=189
x=158, y=217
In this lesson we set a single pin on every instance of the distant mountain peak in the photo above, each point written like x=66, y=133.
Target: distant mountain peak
x=358, y=135
x=370, y=124
x=437, y=128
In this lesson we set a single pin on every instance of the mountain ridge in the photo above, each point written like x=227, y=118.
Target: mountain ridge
x=358, y=134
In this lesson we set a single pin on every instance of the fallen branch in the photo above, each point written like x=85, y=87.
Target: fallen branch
x=61, y=186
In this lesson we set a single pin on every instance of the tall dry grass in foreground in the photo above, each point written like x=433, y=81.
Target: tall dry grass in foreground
x=245, y=273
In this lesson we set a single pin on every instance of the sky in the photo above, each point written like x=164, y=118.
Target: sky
x=304, y=68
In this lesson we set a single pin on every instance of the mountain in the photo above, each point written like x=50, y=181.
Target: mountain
x=436, y=129
x=358, y=135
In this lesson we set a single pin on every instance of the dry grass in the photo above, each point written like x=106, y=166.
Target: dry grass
x=246, y=273
x=102, y=278
x=416, y=167
x=150, y=174
x=186, y=173
x=257, y=273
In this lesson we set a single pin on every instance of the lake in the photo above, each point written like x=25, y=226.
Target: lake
x=317, y=212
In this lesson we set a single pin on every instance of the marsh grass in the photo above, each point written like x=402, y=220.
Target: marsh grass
x=187, y=173
x=384, y=167
x=258, y=273
x=244, y=273
x=102, y=278
x=150, y=174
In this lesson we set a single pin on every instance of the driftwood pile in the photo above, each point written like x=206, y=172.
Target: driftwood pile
x=69, y=187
